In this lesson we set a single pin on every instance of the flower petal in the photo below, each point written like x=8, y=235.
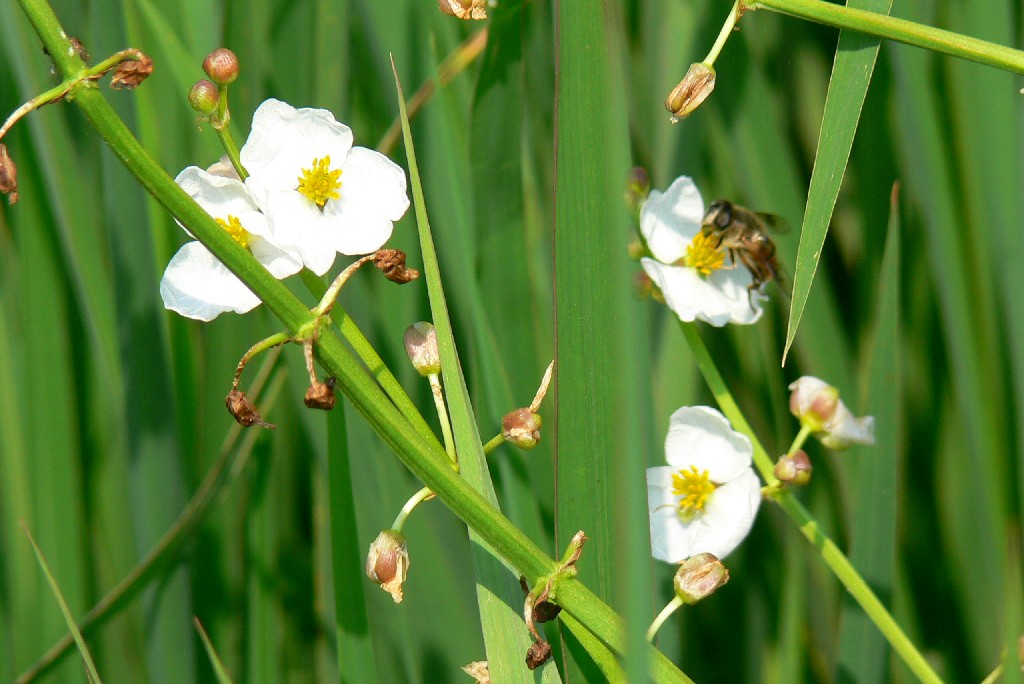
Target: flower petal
x=701, y=436
x=284, y=140
x=669, y=220
x=373, y=195
x=728, y=517
x=197, y=285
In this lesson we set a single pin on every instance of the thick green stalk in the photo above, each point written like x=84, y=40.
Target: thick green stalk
x=900, y=30
x=838, y=563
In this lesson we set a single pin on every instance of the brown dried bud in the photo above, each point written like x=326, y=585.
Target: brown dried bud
x=79, y=49
x=464, y=9
x=795, y=468
x=320, y=395
x=691, y=91
x=522, y=428
x=387, y=563
x=243, y=410
x=203, y=97
x=699, y=576
x=479, y=671
x=131, y=72
x=543, y=610
x=421, y=346
x=221, y=66
x=391, y=263
x=538, y=654
x=8, y=175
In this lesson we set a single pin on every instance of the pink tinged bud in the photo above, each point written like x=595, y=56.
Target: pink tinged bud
x=203, y=97
x=638, y=187
x=387, y=562
x=695, y=87
x=8, y=175
x=522, y=428
x=699, y=576
x=421, y=346
x=819, y=408
x=221, y=66
x=795, y=468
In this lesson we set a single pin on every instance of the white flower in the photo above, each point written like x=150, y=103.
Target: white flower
x=195, y=283
x=321, y=195
x=692, y=274
x=817, y=405
x=706, y=498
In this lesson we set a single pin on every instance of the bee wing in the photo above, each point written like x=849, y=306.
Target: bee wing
x=773, y=222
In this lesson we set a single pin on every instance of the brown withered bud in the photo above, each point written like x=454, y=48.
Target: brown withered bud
x=387, y=562
x=320, y=395
x=391, y=263
x=479, y=671
x=79, y=49
x=131, y=72
x=544, y=610
x=464, y=9
x=691, y=91
x=795, y=468
x=537, y=654
x=522, y=428
x=243, y=410
x=8, y=175
x=203, y=97
x=221, y=66
x=698, y=577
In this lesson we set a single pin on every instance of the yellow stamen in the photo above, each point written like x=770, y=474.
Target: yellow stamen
x=234, y=228
x=703, y=255
x=693, y=489
x=319, y=183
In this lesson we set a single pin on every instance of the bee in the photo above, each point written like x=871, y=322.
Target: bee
x=743, y=234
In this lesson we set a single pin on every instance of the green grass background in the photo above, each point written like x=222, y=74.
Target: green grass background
x=111, y=409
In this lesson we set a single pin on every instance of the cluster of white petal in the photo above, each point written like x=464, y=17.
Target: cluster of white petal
x=284, y=229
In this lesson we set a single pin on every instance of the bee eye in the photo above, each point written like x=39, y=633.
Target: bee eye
x=724, y=217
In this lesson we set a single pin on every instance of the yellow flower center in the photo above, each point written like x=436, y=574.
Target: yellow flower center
x=703, y=255
x=319, y=183
x=693, y=489
x=234, y=228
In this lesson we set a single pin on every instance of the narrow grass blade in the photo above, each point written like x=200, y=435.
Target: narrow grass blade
x=862, y=650
x=83, y=649
x=505, y=635
x=851, y=75
x=218, y=667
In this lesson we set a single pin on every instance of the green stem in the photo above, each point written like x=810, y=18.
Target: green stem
x=442, y=415
x=494, y=443
x=414, y=501
x=798, y=442
x=671, y=607
x=900, y=30
x=231, y=148
x=830, y=553
x=723, y=35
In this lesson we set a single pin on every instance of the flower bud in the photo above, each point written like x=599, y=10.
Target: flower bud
x=691, y=91
x=131, y=72
x=203, y=97
x=538, y=654
x=464, y=9
x=421, y=346
x=8, y=175
x=221, y=66
x=699, y=576
x=794, y=468
x=819, y=408
x=522, y=428
x=391, y=262
x=387, y=563
x=320, y=395
x=243, y=410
